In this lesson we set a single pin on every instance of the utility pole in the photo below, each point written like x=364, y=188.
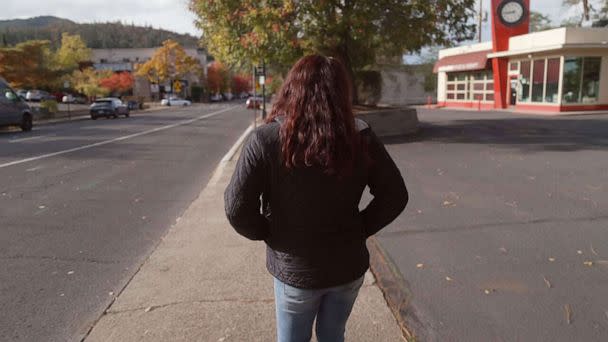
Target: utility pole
x=480, y=19
x=264, y=90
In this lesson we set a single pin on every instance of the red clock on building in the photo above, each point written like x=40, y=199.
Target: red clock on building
x=509, y=18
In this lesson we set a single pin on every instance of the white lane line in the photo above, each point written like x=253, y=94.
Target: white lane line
x=101, y=143
x=26, y=139
x=236, y=145
x=219, y=170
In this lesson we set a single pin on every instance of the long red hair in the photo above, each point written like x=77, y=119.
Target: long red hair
x=318, y=126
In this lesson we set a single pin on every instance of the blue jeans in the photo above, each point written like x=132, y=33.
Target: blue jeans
x=297, y=308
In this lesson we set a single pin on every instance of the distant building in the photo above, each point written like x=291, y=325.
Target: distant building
x=559, y=70
x=118, y=60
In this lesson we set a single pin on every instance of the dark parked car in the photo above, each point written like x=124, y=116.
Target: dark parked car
x=108, y=107
x=13, y=109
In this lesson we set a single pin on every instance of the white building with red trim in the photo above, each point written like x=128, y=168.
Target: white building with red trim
x=564, y=69
x=559, y=70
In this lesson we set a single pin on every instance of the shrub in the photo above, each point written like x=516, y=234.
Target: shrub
x=49, y=106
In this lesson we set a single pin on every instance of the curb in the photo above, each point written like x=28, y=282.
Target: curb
x=395, y=290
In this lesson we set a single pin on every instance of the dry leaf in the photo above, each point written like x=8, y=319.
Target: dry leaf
x=588, y=263
x=593, y=250
x=148, y=309
x=579, y=252
x=448, y=278
x=547, y=282
x=551, y=259
x=487, y=291
x=502, y=249
x=568, y=313
x=419, y=265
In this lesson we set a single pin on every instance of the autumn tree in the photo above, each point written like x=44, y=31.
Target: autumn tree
x=169, y=62
x=88, y=82
x=241, y=84
x=29, y=65
x=217, y=78
x=73, y=51
x=355, y=31
x=121, y=82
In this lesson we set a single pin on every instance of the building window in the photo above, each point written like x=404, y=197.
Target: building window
x=591, y=79
x=470, y=86
x=513, y=66
x=523, y=94
x=552, y=85
x=538, y=80
x=581, y=79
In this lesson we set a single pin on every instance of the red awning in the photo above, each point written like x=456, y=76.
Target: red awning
x=465, y=62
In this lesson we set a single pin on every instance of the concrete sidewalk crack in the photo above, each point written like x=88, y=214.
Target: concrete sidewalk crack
x=45, y=257
x=201, y=301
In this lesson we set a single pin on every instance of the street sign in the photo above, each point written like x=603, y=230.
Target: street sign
x=260, y=70
x=66, y=84
x=262, y=80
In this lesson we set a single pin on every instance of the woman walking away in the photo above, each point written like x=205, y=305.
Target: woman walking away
x=297, y=186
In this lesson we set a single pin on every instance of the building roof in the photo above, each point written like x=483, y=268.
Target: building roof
x=463, y=62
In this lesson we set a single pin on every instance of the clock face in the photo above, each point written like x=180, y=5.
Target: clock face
x=511, y=12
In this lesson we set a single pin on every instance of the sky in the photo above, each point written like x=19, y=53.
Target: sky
x=171, y=15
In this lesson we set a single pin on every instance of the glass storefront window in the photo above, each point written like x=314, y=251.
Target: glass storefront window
x=591, y=79
x=552, y=86
x=523, y=91
x=581, y=79
x=538, y=80
x=573, y=67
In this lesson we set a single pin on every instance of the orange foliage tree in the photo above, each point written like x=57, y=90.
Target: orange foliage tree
x=241, y=84
x=217, y=77
x=120, y=82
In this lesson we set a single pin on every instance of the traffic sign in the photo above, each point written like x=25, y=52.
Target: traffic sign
x=260, y=70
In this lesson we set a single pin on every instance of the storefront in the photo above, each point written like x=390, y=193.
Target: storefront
x=564, y=69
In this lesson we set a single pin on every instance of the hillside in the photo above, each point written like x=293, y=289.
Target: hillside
x=96, y=35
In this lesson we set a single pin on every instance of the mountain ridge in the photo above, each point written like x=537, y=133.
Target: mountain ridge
x=96, y=35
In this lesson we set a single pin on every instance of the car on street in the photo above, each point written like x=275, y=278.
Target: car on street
x=254, y=102
x=216, y=97
x=175, y=101
x=108, y=107
x=13, y=109
x=38, y=95
x=22, y=93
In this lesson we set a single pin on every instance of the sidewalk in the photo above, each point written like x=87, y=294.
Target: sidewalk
x=206, y=283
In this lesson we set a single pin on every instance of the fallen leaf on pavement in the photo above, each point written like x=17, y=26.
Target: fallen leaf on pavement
x=70, y=272
x=502, y=249
x=588, y=263
x=592, y=250
x=148, y=309
x=448, y=278
x=551, y=259
x=547, y=282
x=419, y=265
x=447, y=203
x=579, y=252
x=568, y=313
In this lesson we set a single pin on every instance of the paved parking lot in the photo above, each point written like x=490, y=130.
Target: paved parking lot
x=505, y=236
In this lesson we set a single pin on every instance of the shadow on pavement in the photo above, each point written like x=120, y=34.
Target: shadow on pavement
x=527, y=134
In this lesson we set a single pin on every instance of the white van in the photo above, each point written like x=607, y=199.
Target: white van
x=13, y=109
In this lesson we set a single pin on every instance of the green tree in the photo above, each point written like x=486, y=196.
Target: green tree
x=169, y=62
x=539, y=22
x=29, y=64
x=355, y=31
x=73, y=50
x=88, y=82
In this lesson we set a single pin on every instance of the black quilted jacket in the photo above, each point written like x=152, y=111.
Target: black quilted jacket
x=311, y=222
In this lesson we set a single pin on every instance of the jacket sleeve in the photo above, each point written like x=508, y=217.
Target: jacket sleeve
x=242, y=196
x=387, y=187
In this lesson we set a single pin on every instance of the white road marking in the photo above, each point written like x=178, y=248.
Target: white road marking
x=236, y=145
x=26, y=139
x=34, y=168
x=105, y=142
x=217, y=173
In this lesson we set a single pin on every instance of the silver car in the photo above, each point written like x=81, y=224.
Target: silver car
x=13, y=109
x=108, y=107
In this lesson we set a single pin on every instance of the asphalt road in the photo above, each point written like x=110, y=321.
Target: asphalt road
x=83, y=203
x=506, y=212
